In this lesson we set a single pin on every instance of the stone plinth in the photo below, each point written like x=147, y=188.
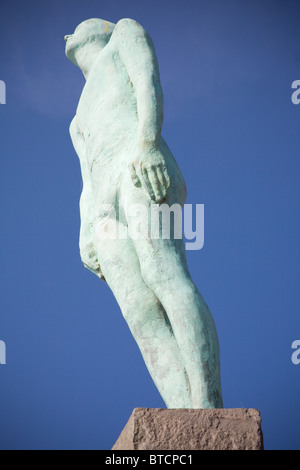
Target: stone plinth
x=187, y=429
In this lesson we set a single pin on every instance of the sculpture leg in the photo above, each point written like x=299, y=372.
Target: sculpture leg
x=146, y=319
x=164, y=270
x=165, y=273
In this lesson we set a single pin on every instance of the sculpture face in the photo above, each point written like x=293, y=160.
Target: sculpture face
x=93, y=31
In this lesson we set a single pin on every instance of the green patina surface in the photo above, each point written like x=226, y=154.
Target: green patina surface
x=124, y=161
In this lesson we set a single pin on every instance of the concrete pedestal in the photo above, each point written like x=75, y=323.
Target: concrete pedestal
x=185, y=429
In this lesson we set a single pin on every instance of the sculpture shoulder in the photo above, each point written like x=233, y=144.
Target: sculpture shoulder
x=126, y=29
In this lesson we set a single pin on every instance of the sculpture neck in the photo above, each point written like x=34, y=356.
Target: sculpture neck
x=86, y=57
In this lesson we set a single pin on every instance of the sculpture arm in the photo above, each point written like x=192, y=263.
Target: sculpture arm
x=136, y=52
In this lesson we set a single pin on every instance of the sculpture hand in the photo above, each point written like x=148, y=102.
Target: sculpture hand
x=150, y=172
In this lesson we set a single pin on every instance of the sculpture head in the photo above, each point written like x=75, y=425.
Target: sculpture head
x=90, y=37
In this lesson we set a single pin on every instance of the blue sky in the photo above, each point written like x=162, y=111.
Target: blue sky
x=73, y=372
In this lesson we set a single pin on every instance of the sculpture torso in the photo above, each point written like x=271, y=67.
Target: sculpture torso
x=107, y=114
x=107, y=122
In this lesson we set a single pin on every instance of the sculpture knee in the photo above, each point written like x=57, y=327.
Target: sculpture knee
x=144, y=316
x=156, y=268
x=162, y=271
x=131, y=304
x=150, y=275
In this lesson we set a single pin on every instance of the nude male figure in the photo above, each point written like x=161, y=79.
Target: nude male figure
x=124, y=161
